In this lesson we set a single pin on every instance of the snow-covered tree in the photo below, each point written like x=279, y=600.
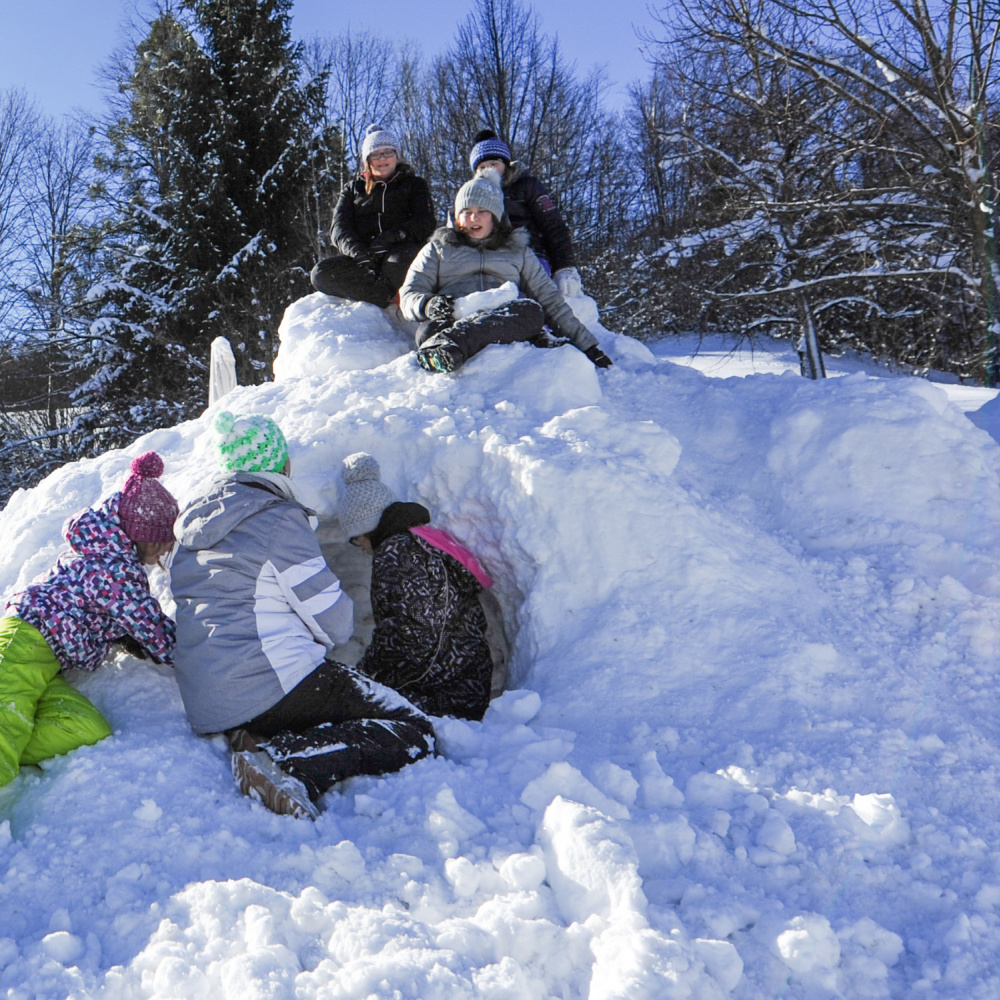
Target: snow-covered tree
x=840, y=155
x=48, y=267
x=210, y=166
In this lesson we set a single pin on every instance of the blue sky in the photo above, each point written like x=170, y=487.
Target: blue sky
x=54, y=48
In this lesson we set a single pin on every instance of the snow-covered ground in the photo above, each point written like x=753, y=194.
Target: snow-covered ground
x=750, y=744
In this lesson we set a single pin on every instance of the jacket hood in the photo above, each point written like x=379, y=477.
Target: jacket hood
x=514, y=172
x=98, y=531
x=500, y=239
x=209, y=519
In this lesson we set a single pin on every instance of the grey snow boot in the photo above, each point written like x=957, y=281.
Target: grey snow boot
x=260, y=778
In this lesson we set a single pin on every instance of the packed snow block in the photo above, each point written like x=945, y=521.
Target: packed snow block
x=658, y=789
x=810, y=948
x=451, y=825
x=540, y=382
x=492, y=298
x=562, y=779
x=883, y=817
x=867, y=952
x=593, y=871
x=321, y=334
x=591, y=863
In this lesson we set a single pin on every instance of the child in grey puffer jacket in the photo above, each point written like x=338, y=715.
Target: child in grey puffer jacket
x=258, y=615
x=481, y=253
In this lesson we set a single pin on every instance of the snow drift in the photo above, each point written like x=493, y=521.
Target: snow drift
x=748, y=748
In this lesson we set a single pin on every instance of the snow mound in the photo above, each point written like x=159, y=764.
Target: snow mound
x=750, y=742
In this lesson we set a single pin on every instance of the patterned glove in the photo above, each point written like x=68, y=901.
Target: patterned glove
x=568, y=282
x=439, y=307
x=598, y=357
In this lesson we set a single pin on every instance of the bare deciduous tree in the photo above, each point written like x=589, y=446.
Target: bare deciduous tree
x=19, y=126
x=838, y=150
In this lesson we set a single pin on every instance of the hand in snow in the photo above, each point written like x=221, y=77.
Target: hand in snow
x=568, y=282
x=598, y=357
x=440, y=307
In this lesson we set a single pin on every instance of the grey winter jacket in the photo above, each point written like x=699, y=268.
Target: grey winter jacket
x=448, y=265
x=257, y=607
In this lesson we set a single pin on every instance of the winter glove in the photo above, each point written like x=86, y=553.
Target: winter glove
x=386, y=239
x=598, y=357
x=132, y=646
x=368, y=264
x=439, y=307
x=568, y=282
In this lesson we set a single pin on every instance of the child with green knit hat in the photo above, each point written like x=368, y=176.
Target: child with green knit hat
x=251, y=443
x=260, y=616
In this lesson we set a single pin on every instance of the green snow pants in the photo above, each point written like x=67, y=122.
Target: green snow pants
x=41, y=716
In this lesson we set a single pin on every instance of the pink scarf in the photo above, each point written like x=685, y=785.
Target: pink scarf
x=440, y=539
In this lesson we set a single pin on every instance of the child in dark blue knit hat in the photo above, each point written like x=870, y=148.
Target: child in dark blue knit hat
x=529, y=205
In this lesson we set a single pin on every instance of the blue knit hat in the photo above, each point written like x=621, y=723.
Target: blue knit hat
x=489, y=146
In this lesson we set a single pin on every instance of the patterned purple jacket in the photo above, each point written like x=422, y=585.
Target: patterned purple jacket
x=95, y=594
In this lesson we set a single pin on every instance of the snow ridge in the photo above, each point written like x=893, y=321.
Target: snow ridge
x=748, y=746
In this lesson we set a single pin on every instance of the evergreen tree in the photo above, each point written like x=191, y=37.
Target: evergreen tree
x=211, y=162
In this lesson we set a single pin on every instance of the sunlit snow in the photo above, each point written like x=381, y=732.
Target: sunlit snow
x=749, y=747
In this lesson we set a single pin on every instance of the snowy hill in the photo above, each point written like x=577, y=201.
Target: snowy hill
x=750, y=746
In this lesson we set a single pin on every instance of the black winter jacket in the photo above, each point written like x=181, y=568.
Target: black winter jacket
x=429, y=641
x=530, y=205
x=400, y=206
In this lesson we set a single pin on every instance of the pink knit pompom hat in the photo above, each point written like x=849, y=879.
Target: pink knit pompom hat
x=146, y=509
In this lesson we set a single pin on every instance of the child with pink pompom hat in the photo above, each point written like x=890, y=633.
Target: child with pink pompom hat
x=96, y=595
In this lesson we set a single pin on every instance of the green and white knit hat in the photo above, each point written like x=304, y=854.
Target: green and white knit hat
x=249, y=443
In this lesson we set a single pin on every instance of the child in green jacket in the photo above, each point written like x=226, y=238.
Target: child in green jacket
x=96, y=595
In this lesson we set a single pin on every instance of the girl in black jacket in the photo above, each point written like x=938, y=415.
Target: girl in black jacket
x=381, y=220
x=430, y=637
x=531, y=207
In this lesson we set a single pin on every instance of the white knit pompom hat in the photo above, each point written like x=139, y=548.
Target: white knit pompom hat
x=378, y=137
x=365, y=495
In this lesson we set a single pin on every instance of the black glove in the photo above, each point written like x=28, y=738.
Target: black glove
x=598, y=357
x=132, y=646
x=386, y=239
x=368, y=264
x=439, y=307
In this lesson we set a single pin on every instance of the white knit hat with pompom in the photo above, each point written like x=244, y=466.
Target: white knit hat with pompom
x=365, y=495
x=378, y=137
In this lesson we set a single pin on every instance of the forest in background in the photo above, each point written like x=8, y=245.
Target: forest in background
x=786, y=162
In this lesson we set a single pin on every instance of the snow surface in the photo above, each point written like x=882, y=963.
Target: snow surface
x=749, y=748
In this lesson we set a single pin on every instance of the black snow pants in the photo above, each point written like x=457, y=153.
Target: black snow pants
x=519, y=320
x=337, y=724
x=349, y=278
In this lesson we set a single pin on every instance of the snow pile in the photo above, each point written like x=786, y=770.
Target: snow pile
x=492, y=298
x=748, y=749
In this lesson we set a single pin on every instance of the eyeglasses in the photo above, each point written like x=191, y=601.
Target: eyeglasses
x=382, y=154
